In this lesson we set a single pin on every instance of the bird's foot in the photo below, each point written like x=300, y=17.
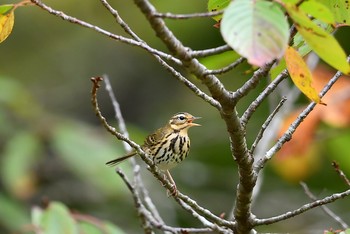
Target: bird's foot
x=172, y=192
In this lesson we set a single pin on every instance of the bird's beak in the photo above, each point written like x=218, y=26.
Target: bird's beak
x=194, y=124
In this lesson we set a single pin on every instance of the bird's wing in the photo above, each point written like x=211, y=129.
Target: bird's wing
x=155, y=138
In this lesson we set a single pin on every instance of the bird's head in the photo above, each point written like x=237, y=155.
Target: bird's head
x=182, y=120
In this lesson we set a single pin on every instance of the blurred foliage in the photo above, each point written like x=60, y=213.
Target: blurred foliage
x=56, y=219
x=53, y=147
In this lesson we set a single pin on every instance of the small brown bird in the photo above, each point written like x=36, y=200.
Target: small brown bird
x=167, y=146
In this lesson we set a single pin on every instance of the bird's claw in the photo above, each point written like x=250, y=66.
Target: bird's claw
x=172, y=192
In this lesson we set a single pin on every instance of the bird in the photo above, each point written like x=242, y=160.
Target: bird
x=167, y=146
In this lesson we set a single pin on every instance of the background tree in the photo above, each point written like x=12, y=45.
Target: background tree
x=51, y=146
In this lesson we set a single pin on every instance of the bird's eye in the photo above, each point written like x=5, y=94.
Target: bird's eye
x=181, y=117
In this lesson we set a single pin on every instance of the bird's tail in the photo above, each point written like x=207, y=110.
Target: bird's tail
x=121, y=159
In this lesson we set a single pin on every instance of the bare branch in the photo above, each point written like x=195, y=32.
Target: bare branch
x=144, y=193
x=206, y=213
x=202, y=219
x=188, y=16
x=252, y=82
x=151, y=167
x=262, y=96
x=120, y=21
x=324, y=208
x=287, y=136
x=190, y=85
x=96, y=85
x=117, y=111
x=227, y=68
x=138, y=204
x=139, y=185
x=266, y=124
x=208, y=52
x=214, y=85
x=119, y=38
x=302, y=209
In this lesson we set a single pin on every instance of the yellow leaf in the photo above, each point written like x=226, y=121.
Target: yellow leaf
x=322, y=42
x=301, y=75
x=6, y=24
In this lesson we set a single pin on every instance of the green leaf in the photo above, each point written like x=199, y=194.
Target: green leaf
x=300, y=45
x=257, y=30
x=6, y=9
x=112, y=229
x=217, y=5
x=89, y=228
x=102, y=228
x=13, y=216
x=340, y=10
x=56, y=219
x=318, y=11
x=36, y=215
x=323, y=43
x=277, y=69
x=85, y=151
x=221, y=60
x=21, y=153
x=338, y=150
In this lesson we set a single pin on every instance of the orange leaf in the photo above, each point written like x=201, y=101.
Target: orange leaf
x=301, y=75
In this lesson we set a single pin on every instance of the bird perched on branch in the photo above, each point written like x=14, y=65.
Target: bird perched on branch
x=167, y=146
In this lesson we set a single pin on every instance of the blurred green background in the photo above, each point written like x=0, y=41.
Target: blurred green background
x=53, y=147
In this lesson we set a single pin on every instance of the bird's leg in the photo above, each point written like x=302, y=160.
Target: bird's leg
x=173, y=191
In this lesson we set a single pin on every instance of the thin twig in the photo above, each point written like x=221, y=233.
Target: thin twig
x=188, y=16
x=137, y=177
x=144, y=193
x=341, y=173
x=206, y=213
x=147, y=227
x=151, y=167
x=176, y=47
x=227, y=68
x=159, y=55
x=119, y=38
x=324, y=208
x=209, y=52
x=190, y=85
x=266, y=124
x=302, y=209
x=149, y=220
x=120, y=21
x=117, y=111
x=287, y=136
x=96, y=85
x=202, y=219
x=252, y=82
x=262, y=96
